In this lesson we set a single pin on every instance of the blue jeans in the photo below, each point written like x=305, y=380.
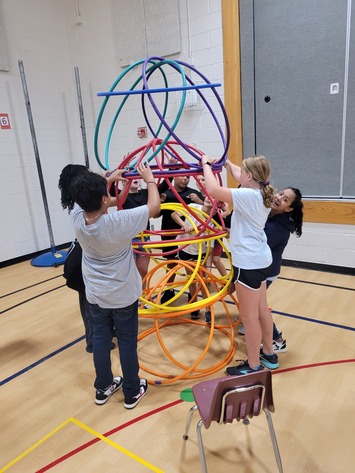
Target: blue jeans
x=123, y=323
x=275, y=333
x=87, y=318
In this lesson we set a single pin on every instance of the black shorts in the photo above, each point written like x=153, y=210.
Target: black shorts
x=251, y=278
x=168, y=249
x=187, y=257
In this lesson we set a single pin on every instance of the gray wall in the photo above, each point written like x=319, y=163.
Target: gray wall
x=291, y=54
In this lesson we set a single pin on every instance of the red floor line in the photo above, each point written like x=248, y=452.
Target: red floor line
x=107, y=434
x=314, y=365
x=167, y=406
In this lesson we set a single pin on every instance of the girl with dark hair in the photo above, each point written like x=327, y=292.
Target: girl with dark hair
x=68, y=175
x=286, y=217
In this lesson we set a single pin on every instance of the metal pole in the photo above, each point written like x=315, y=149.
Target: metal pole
x=55, y=258
x=35, y=147
x=81, y=113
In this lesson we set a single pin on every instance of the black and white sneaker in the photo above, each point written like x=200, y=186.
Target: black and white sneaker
x=195, y=315
x=103, y=395
x=130, y=403
x=279, y=346
x=167, y=295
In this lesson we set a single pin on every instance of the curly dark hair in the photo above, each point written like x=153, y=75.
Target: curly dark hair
x=89, y=190
x=67, y=178
x=297, y=211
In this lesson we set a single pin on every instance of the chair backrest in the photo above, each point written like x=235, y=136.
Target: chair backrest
x=234, y=397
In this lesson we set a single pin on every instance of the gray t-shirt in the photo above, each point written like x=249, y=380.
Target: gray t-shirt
x=110, y=274
x=248, y=241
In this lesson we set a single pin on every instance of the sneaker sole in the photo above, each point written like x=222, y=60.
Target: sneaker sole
x=100, y=403
x=239, y=373
x=242, y=372
x=132, y=406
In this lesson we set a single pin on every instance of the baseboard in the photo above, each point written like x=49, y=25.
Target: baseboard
x=326, y=268
x=20, y=259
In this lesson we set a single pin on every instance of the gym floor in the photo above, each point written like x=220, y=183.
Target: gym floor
x=49, y=421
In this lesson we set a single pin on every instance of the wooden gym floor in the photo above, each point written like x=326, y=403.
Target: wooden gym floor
x=49, y=421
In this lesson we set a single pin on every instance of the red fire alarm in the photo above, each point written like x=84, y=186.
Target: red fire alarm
x=4, y=121
x=142, y=132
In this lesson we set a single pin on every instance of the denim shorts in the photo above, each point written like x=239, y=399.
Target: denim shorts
x=141, y=247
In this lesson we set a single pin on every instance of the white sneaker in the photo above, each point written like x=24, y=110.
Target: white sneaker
x=132, y=402
x=147, y=306
x=279, y=347
x=103, y=395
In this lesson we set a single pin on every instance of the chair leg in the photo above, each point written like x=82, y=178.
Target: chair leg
x=200, y=445
x=188, y=421
x=274, y=440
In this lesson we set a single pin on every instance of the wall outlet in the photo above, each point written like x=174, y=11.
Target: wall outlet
x=334, y=88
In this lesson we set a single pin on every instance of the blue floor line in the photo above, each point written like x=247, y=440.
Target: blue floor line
x=33, y=365
x=285, y=314
x=307, y=319
x=316, y=321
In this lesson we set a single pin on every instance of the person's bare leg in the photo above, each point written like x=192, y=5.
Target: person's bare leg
x=219, y=265
x=266, y=322
x=208, y=266
x=249, y=313
x=192, y=286
x=172, y=277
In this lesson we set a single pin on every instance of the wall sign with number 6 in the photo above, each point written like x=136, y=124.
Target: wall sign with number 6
x=4, y=121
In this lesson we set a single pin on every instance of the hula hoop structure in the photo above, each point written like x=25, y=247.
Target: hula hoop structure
x=207, y=229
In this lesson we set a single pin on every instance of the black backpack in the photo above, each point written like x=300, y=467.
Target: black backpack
x=72, y=268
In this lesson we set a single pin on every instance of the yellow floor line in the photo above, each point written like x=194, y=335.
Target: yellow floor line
x=118, y=447
x=92, y=432
x=35, y=446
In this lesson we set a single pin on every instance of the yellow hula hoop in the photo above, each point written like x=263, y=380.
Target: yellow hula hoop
x=166, y=314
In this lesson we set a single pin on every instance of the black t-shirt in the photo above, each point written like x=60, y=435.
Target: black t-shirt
x=139, y=198
x=167, y=222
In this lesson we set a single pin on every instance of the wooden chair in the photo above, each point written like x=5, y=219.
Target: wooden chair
x=233, y=397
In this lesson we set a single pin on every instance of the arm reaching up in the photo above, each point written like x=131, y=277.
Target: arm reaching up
x=153, y=195
x=233, y=169
x=212, y=186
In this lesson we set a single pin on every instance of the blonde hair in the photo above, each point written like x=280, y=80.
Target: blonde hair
x=259, y=168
